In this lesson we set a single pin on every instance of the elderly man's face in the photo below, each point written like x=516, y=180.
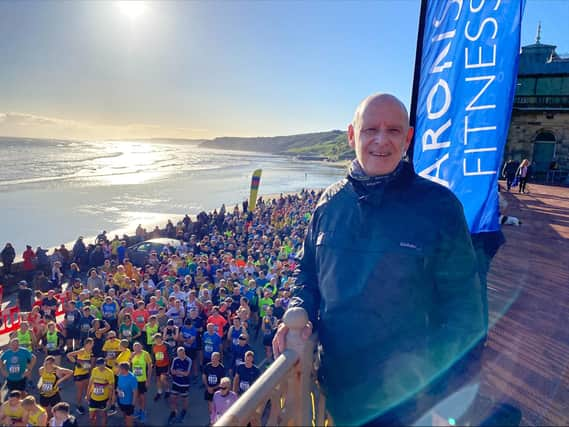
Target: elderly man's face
x=381, y=136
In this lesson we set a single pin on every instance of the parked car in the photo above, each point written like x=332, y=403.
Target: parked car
x=139, y=253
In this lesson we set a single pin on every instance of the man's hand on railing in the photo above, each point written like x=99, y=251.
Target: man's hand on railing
x=279, y=340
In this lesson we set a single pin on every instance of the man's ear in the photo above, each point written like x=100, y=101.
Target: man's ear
x=409, y=137
x=351, y=136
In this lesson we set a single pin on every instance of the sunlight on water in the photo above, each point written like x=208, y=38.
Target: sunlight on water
x=83, y=187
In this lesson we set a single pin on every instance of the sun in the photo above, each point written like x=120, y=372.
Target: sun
x=132, y=9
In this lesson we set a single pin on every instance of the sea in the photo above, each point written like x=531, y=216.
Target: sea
x=52, y=191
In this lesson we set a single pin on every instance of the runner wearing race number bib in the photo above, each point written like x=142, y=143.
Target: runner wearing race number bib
x=100, y=391
x=180, y=370
x=126, y=392
x=247, y=373
x=111, y=349
x=51, y=375
x=213, y=372
x=82, y=361
x=52, y=342
x=162, y=362
x=211, y=342
x=142, y=369
x=16, y=364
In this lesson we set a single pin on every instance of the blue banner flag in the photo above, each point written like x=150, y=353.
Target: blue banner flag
x=465, y=80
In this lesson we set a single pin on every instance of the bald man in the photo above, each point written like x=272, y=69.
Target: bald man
x=388, y=277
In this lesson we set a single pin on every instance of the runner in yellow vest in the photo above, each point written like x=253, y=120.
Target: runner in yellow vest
x=124, y=356
x=34, y=414
x=141, y=363
x=100, y=391
x=151, y=329
x=51, y=375
x=112, y=348
x=26, y=337
x=12, y=412
x=82, y=359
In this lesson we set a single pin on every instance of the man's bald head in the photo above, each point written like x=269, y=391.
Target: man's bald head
x=380, y=134
x=379, y=98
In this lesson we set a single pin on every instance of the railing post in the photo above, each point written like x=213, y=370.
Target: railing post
x=299, y=402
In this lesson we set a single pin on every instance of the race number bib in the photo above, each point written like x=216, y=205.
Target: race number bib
x=160, y=356
x=208, y=348
x=71, y=318
x=99, y=390
x=85, y=327
x=86, y=365
x=212, y=379
x=140, y=319
x=111, y=354
x=50, y=346
x=14, y=369
x=121, y=393
x=137, y=372
x=46, y=387
x=126, y=333
x=244, y=385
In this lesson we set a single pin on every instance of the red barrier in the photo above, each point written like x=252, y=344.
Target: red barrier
x=11, y=320
x=61, y=298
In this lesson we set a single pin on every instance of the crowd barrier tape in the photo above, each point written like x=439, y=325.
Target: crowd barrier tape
x=11, y=318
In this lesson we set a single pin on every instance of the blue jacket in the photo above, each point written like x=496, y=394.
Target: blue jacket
x=388, y=277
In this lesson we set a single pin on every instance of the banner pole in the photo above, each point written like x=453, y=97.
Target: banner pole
x=417, y=75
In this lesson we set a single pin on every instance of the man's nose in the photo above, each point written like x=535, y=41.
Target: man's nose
x=380, y=137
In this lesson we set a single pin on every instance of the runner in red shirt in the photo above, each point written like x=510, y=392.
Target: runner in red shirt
x=218, y=320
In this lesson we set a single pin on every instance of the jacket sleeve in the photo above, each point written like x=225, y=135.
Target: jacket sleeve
x=305, y=292
x=458, y=288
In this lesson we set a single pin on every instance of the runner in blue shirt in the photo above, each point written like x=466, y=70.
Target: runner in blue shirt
x=16, y=365
x=211, y=342
x=127, y=390
x=110, y=312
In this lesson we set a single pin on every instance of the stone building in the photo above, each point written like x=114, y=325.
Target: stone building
x=539, y=130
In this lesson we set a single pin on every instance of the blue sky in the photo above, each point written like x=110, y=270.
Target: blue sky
x=200, y=69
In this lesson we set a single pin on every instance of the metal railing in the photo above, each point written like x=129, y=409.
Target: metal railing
x=541, y=101
x=287, y=393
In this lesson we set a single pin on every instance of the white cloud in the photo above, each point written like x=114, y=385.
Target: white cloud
x=32, y=125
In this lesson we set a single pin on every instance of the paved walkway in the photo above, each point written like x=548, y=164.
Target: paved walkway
x=526, y=362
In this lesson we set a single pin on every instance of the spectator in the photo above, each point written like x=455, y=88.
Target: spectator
x=29, y=262
x=8, y=255
x=25, y=297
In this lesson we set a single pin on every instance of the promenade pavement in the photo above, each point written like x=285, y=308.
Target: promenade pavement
x=526, y=361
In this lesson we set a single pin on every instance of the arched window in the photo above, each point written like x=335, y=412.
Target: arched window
x=545, y=136
x=543, y=152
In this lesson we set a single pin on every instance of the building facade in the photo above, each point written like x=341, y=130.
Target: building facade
x=539, y=129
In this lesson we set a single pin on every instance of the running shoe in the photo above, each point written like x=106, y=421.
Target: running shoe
x=112, y=411
x=171, y=418
x=166, y=395
x=81, y=410
x=157, y=397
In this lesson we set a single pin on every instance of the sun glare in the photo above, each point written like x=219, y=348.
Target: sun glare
x=132, y=9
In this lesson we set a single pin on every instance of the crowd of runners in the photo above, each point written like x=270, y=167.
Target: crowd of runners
x=186, y=318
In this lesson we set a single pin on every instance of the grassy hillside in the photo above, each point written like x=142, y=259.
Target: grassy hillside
x=332, y=144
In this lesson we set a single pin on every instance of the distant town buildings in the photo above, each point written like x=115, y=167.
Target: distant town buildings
x=539, y=130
